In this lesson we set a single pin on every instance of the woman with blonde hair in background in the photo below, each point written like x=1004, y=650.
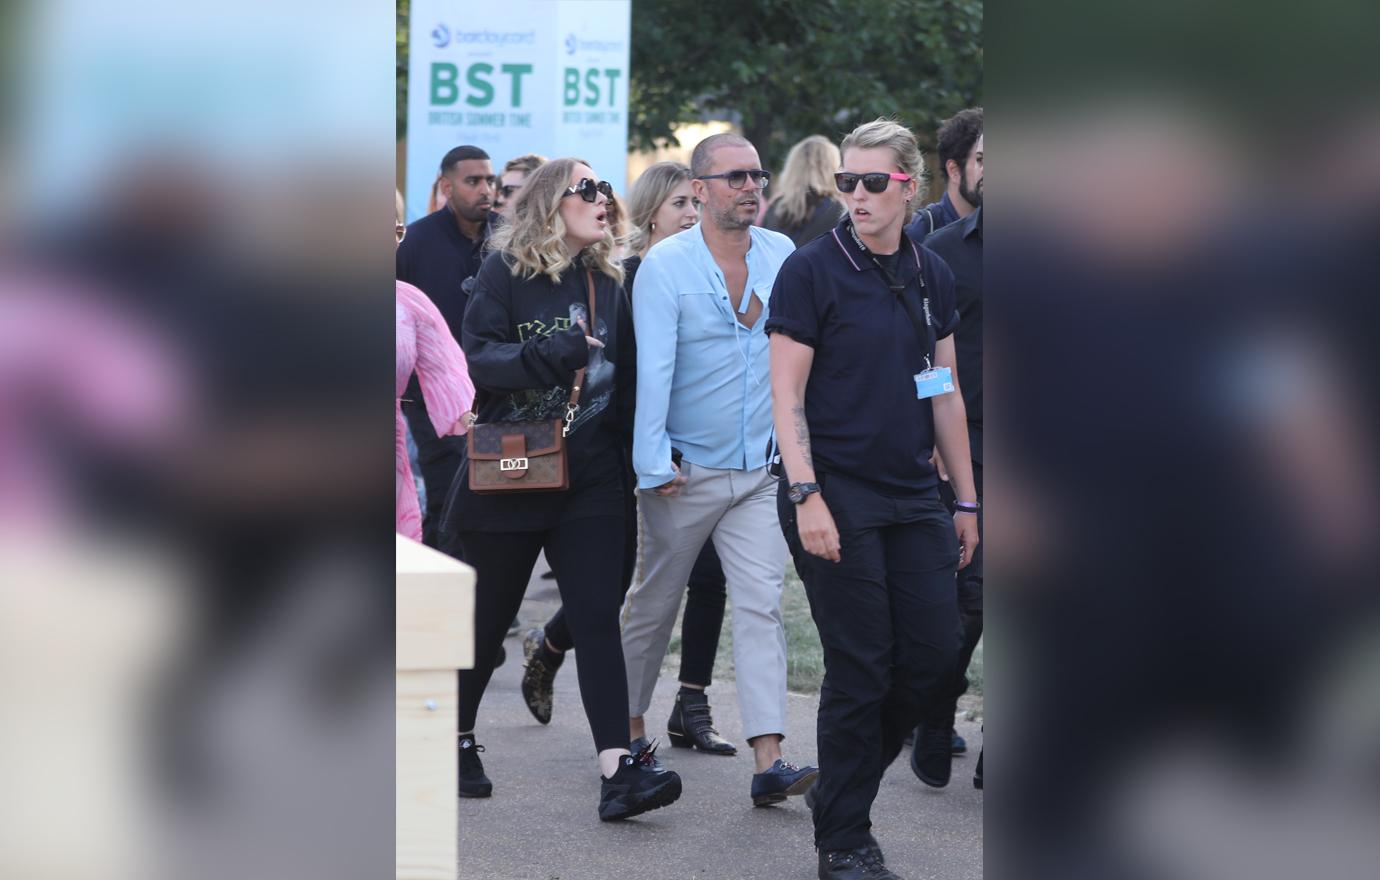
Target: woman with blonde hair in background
x=548, y=306
x=806, y=204
x=662, y=203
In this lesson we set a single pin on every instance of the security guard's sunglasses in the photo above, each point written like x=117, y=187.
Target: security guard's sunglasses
x=737, y=179
x=874, y=183
x=589, y=189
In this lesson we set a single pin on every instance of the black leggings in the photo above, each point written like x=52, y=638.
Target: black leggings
x=587, y=555
x=700, y=627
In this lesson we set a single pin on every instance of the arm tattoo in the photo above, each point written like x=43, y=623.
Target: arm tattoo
x=802, y=435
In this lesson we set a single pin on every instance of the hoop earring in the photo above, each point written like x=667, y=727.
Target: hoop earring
x=654, y=227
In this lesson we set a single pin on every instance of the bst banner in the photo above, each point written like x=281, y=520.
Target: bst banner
x=522, y=76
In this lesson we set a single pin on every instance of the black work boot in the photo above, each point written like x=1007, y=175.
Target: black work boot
x=690, y=725
x=473, y=783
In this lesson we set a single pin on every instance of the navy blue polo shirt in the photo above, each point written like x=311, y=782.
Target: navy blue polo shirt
x=932, y=218
x=866, y=423
x=437, y=258
x=960, y=246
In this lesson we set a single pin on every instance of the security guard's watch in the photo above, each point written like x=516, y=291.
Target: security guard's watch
x=799, y=491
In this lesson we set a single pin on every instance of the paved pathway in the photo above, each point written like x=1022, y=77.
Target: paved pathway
x=541, y=822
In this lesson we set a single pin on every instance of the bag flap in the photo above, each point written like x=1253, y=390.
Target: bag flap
x=486, y=441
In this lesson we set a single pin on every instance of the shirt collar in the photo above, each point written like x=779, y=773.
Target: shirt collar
x=861, y=260
x=973, y=223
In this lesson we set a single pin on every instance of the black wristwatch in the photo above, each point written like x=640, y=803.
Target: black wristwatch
x=798, y=492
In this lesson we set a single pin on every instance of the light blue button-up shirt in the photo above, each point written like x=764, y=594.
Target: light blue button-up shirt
x=703, y=383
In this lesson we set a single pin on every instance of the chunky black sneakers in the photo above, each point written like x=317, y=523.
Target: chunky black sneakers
x=539, y=677
x=637, y=788
x=691, y=726
x=473, y=783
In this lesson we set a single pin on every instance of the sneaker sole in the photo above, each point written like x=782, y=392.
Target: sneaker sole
x=799, y=787
x=655, y=800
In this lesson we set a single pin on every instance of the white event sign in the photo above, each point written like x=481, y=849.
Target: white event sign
x=522, y=76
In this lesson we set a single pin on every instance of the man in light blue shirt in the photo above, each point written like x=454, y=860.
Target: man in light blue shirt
x=704, y=391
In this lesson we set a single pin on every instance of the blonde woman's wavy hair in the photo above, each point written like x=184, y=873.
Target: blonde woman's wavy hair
x=534, y=238
x=809, y=171
x=896, y=137
x=649, y=191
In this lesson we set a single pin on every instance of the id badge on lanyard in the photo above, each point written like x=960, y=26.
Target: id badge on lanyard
x=933, y=381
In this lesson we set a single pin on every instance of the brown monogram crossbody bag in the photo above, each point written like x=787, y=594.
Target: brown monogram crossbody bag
x=526, y=456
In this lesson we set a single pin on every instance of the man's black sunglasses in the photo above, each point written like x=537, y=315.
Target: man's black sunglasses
x=588, y=189
x=874, y=183
x=736, y=179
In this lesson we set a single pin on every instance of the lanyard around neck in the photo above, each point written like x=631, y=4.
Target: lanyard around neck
x=927, y=333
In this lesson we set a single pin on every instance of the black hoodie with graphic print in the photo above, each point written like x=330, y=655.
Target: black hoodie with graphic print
x=523, y=345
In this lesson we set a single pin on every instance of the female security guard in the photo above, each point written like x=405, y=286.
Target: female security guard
x=861, y=324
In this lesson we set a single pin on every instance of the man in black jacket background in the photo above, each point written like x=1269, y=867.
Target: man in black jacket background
x=440, y=255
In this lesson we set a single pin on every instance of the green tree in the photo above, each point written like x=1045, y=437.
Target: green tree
x=791, y=68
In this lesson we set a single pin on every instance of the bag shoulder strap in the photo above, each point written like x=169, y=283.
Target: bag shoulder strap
x=574, y=402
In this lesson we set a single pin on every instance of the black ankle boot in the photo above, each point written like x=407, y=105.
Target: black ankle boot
x=690, y=725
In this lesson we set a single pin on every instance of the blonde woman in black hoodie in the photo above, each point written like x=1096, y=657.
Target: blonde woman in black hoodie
x=526, y=331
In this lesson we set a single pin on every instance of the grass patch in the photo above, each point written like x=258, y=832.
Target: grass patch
x=804, y=654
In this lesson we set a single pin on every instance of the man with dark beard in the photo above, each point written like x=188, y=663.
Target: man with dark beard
x=960, y=155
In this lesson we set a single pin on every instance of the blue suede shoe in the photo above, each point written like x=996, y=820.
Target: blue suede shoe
x=780, y=781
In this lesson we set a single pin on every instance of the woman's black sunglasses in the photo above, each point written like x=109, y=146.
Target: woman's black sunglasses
x=874, y=183
x=589, y=189
x=736, y=179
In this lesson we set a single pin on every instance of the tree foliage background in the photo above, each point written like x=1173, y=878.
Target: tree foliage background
x=792, y=68
x=786, y=69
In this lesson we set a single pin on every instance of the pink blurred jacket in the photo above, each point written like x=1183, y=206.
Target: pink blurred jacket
x=425, y=345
